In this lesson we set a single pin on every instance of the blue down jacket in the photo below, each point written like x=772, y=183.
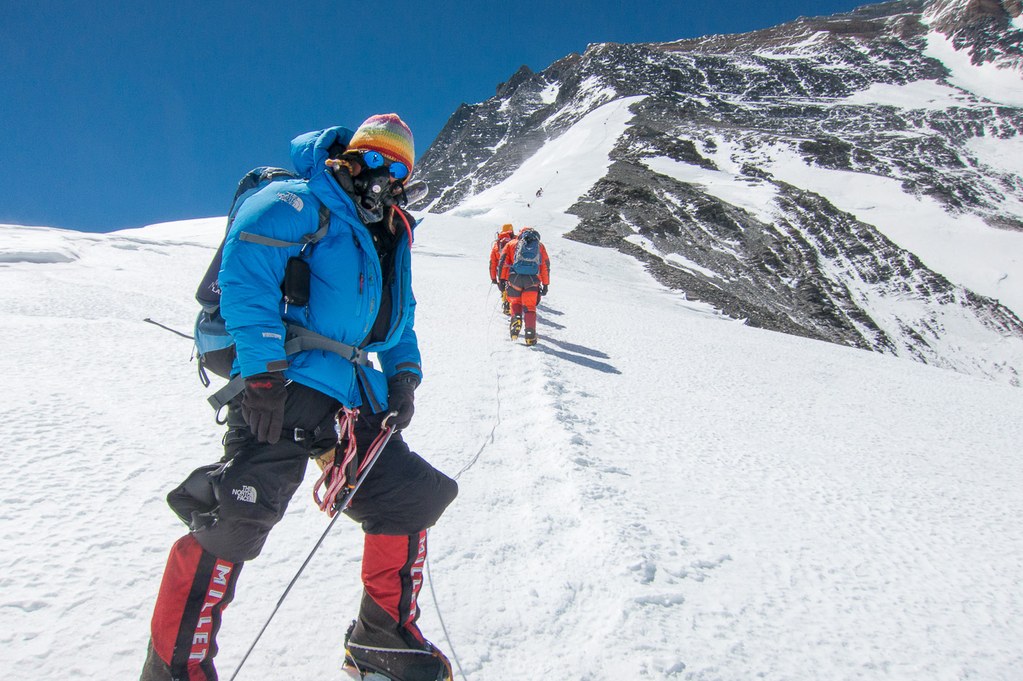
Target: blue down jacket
x=345, y=286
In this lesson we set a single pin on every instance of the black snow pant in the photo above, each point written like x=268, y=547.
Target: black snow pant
x=231, y=506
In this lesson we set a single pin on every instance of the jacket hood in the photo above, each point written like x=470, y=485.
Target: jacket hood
x=309, y=150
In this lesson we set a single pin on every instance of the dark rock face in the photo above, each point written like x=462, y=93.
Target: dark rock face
x=812, y=269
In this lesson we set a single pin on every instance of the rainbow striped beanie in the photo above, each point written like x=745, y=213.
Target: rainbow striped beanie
x=387, y=134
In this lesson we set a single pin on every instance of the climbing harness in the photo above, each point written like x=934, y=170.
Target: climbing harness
x=345, y=476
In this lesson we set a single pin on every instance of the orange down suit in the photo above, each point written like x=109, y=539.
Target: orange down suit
x=524, y=289
x=495, y=253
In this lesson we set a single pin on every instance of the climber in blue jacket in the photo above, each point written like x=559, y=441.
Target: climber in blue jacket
x=351, y=285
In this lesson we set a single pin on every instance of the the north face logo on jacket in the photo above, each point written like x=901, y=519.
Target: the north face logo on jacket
x=292, y=200
x=247, y=493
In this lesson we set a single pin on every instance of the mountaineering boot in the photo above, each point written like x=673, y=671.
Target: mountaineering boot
x=377, y=645
x=515, y=327
x=530, y=336
x=506, y=307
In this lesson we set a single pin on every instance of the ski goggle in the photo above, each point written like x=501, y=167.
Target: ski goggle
x=374, y=159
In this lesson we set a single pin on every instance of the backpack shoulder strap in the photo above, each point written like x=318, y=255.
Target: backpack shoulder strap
x=311, y=238
x=324, y=226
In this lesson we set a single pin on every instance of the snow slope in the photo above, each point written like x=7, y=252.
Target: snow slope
x=653, y=492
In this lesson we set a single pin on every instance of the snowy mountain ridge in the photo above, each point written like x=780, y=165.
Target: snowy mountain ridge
x=853, y=178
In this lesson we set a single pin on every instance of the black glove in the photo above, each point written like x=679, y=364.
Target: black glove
x=263, y=405
x=401, y=391
x=493, y=281
x=502, y=285
x=543, y=289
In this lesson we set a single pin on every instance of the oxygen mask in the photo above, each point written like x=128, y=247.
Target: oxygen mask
x=374, y=184
x=373, y=191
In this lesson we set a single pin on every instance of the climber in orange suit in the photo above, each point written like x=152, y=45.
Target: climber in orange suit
x=524, y=274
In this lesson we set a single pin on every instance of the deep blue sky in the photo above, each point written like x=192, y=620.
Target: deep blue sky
x=122, y=114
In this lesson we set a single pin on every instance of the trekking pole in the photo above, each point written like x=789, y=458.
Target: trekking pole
x=155, y=323
x=371, y=458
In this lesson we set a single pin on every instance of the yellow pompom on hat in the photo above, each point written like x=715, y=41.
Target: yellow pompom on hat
x=389, y=135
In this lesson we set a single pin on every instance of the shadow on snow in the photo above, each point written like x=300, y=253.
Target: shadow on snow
x=581, y=360
x=570, y=352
